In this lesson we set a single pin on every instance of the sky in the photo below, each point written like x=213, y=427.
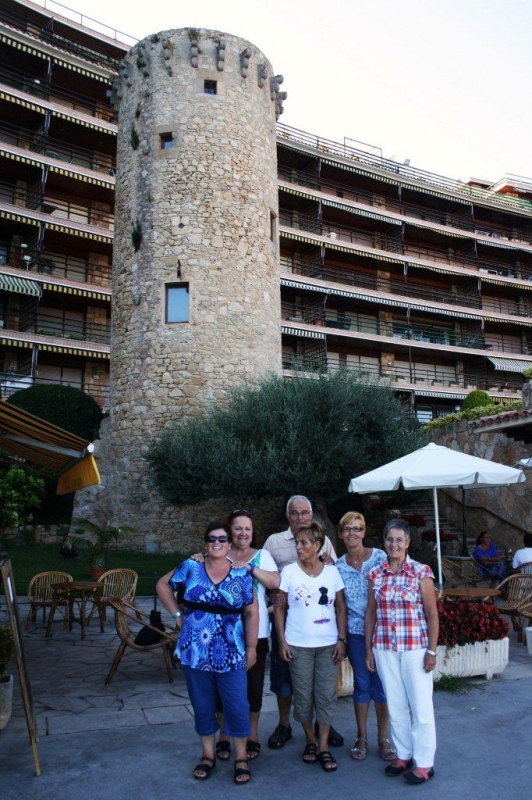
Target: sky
x=443, y=83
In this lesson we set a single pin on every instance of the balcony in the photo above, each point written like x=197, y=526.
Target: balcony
x=11, y=382
x=467, y=296
x=27, y=139
x=38, y=324
x=380, y=241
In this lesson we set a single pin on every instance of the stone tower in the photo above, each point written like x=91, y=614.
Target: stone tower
x=195, y=272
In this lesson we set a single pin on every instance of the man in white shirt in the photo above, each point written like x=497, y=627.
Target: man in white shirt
x=282, y=547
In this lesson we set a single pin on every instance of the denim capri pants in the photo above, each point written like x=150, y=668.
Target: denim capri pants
x=203, y=690
x=367, y=685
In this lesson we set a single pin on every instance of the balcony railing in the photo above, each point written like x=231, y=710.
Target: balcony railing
x=11, y=382
x=58, y=265
x=343, y=191
x=57, y=207
x=378, y=240
x=79, y=331
x=327, y=146
x=426, y=377
x=38, y=87
x=27, y=139
x=465, y=297
x=44, y=33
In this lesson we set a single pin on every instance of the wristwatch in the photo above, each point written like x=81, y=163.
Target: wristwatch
x=342, y=640
x=430, y=652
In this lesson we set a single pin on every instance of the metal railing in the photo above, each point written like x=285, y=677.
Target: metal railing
x=39, y=87
x=59, y=265
x=329, y=147
x=378, y=240
x=36, y=142
x=64, y=328
x=11, y=382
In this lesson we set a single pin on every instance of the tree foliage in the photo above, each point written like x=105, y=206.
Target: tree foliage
x=70, y=408
x=20, y=495
x=304, y=435
x=476, y=399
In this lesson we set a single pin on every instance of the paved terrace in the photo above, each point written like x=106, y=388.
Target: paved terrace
x=136, y=738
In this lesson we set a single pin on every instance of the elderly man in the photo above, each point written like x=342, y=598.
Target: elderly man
x=282, y=547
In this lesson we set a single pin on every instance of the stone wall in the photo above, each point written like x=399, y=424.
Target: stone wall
x=197, y=207
x=512, y=503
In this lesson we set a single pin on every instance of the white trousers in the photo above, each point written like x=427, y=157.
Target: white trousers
x=408, y=690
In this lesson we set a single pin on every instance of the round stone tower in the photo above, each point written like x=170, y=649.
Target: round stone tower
x=195, y=273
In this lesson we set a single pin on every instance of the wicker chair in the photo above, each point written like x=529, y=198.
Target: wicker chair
x=516, y=594
x=461, y=573
x=40, y=594
x=524, y=569
x=125, y=613
x=117, y=583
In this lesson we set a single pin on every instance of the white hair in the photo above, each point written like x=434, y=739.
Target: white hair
x=298, y=497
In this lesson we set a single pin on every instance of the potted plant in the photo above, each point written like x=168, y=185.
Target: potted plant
x=97, y=539
x=7, y=651
x=473, y=639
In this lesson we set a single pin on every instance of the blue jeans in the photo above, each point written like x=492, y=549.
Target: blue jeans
x=367, y=685
x=203, y=690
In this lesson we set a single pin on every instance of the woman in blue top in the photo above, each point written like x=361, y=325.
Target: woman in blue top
x=354, y=567
x=217, y=644
x=490, y=564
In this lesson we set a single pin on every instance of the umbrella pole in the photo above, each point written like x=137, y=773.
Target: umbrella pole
x=465, y=551
x=438, y=545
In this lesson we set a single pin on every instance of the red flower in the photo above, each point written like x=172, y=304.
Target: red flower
x=463, y=623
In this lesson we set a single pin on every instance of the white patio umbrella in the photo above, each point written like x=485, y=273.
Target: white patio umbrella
x=433, y=467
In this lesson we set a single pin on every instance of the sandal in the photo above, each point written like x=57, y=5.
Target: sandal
x=240, y=772
x=399, y=766
x=310, y=753
x=387, y=753
x=253, y=749
x=359, y=753
x=425, y=775
x=205, y=767
x=223, y=750
x=327, y=761
x=281, y=735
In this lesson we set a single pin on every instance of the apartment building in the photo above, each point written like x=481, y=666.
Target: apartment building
x=414, y=280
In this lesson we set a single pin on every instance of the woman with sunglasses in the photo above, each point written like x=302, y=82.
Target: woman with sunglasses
x=244, y=554
x=217, y=644
x=354, y=567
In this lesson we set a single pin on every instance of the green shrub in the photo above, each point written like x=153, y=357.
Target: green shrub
x=476, y=398
x=65, y=406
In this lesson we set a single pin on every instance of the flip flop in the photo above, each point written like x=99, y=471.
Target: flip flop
x=359, y=753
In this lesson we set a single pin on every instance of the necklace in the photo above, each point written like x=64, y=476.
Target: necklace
x=356, y=562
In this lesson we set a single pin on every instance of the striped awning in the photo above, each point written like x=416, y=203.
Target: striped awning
x=510, y=364
x=103, y=294
x=47, y=52
x=297, y=331
x=30, y=439
x=11, y=283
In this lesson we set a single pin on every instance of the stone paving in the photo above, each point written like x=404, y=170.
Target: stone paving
x=136, y=737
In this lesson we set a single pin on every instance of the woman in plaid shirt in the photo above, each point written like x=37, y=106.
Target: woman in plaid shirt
x=401, y=633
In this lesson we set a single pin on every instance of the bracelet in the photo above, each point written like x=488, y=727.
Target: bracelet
x=431, y=653
x=176, y=615
x=251, y=568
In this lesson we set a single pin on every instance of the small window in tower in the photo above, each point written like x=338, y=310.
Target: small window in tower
x=209, y=87
x=177, y=302
x=167, y=141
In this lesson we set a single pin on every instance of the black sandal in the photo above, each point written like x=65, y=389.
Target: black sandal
x=327, y=761
x=310, y=753
x=241, y=772
x=204, y=767
x=253, y=749
x=223, y=750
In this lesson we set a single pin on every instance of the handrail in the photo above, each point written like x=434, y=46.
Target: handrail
x=487, y=510
x=327, y=146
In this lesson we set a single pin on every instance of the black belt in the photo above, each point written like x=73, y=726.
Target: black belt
x=211, y=609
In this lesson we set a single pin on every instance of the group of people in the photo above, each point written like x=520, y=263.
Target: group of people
x=376, y=607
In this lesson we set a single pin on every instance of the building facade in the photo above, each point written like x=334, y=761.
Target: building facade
x=412, y=279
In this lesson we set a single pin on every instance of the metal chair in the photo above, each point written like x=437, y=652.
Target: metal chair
x=517, y=595
x=125, y=613
x=40, y=594
x=118, y=583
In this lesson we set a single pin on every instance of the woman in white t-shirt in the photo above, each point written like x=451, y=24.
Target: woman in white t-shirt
x=311, y=626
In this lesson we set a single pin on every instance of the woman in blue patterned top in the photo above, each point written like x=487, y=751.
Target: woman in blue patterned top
x=217, y=644
x=354, y=567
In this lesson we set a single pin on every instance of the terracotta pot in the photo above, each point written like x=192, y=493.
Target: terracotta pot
x=97, y=572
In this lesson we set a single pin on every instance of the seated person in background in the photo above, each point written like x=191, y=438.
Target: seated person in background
x=490, y=564
x=524, y=555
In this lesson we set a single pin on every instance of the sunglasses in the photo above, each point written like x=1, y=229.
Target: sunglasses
x=212, y=539
x=238, y=511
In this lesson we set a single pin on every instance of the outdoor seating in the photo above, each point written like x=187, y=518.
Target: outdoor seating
x=461, y=573
x=125, y=614
x=40, y=594
x=524, y=569
x=118, y=583
x=516, y=592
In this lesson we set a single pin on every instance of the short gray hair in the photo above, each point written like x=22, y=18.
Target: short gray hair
x=298, y=497
x=400, y=524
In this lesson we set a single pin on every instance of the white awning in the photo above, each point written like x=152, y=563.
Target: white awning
x=510, y=364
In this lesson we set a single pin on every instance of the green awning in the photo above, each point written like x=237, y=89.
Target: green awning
x=10, y=283
x=510, y=364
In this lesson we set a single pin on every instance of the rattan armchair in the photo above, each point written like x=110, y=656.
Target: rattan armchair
x=118, y=583
x=524, y=569
x=126, y=614
x=516, y=594
x=461, y=573
x=40, y=594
